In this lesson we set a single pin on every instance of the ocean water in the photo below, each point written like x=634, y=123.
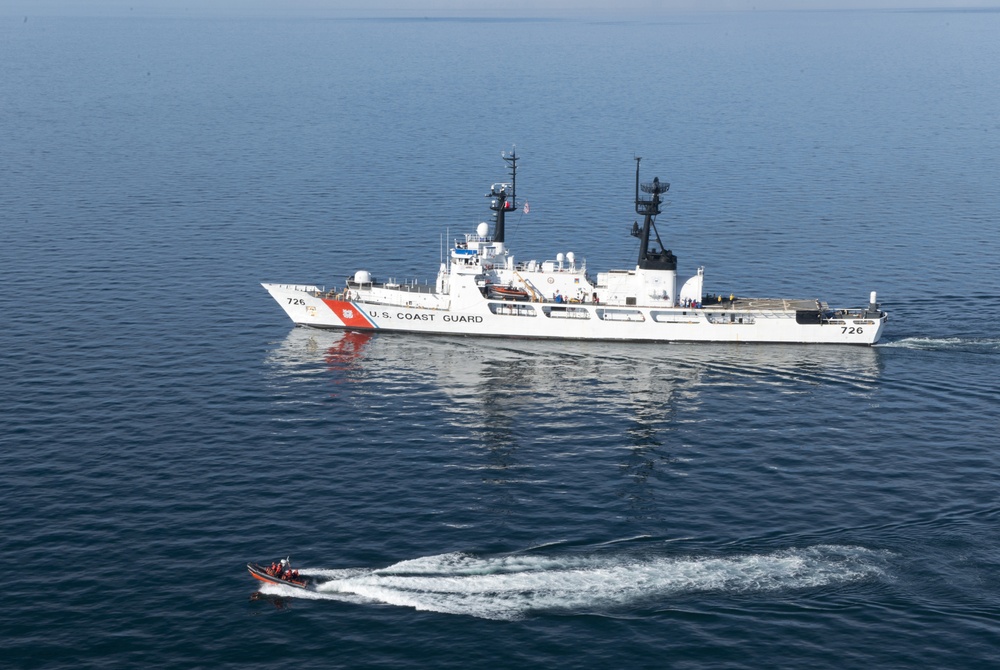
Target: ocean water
x=490, y=503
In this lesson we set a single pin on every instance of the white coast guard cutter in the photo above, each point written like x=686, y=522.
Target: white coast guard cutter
x=482, y=290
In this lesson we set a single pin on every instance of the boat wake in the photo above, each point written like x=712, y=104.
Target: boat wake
x=975, y=345
x=511, y=587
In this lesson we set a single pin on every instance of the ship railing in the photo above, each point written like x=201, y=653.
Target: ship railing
x=408, y=287
x=512, y=309
x=565, y=312
x=304, y=288
x=402, y=302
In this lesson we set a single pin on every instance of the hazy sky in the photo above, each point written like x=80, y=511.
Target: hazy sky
x=447, y=8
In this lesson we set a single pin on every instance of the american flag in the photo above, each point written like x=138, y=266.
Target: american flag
x=526, y=210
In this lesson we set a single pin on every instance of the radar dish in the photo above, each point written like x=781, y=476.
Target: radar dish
x=655, y=186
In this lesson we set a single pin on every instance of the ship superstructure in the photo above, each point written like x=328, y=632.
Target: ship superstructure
x=482, y=289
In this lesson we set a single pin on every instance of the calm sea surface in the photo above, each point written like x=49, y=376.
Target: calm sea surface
x=489, y=503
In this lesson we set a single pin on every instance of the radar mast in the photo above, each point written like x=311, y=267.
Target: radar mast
x=504, y=196
x=651, y=256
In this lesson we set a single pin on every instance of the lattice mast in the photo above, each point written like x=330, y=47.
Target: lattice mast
x=651, y=256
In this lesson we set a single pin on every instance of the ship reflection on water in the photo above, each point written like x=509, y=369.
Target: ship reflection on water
x=525, y=403
x=343, y=354
x=481, y=372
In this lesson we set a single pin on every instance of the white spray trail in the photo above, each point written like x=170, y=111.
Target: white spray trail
x=512, y=586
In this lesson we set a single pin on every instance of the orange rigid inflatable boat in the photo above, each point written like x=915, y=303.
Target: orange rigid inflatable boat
x=279, y=572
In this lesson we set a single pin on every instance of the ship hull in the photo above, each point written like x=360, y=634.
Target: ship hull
x=748, y=320
x=259, y=573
